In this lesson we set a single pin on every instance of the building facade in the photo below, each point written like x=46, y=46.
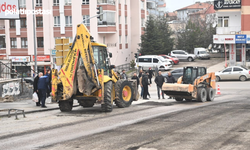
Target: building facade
x=233, y=29
x=121, y=28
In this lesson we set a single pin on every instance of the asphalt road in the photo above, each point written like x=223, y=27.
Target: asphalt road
x=157, y=124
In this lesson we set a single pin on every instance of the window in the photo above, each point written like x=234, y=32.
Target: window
x=237, y=69
x=12, y=23
x=145, y=60
x=126, y=39
x=227, y=70
x=22, y=3
x=55, y=2
x=57, y=21
x=39, y=3
x=68, y=21
x=155, y=60
x=223, y=21
x=13, y=42
x=70, y=39
x=142, y=5
x=40, y=42
x=2, y=42
x=85, y=2
x=142, y=22
x=119, y=19
x=39, y=21
x=126, y=20
x=24, y=42
x=67, y=2
x=120, y=39
x=108, y=18
x=86, y=21
x=23, y=22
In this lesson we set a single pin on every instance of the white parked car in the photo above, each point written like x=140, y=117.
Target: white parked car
x=233, y=73
x=152, y=61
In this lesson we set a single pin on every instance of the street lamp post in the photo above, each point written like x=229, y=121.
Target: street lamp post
x=34, y=34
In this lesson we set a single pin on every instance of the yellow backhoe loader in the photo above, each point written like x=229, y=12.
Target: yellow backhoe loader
x=87, y=76
x=195, y=83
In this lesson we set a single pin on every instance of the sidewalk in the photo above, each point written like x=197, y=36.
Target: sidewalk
x=30, y=107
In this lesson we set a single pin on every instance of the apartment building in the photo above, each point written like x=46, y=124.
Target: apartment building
x=156, y=7
x=233, y=29
x=121, y=28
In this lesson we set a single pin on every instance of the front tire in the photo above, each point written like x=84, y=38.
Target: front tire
x=201, y=95
x=66, y=105
x=123, y=90
x=108, y=102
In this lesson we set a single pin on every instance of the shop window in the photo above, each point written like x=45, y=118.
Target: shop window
x=40, y=42
x=13, y=43
x=12, y=23
x=24, y=42
x=39, y=21
x=23, y=22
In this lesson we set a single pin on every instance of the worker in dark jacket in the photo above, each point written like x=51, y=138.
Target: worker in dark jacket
x=136, y=78
x=48, y=74
x=151, y=74
x=145, y=85
x=170, y=79
x=42, y=89
x=159, y=80
x=35, y=89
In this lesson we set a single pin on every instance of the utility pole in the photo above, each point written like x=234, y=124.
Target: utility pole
x=34, y=34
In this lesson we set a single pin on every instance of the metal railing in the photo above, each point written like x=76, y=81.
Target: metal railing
x=106, y=2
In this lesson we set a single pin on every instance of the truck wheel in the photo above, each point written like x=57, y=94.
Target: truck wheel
x=66, y=105
x=86, y=103
x=210, y=94
x=179, y=99
x=108, y=102
x=124, y=93
x=190, y=59
x=201, y=95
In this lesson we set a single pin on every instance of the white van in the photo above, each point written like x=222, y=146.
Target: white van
x=201, y=53
x=152, y=61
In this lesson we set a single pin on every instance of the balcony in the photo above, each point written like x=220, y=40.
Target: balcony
x=106, y=27
x=105, y=2
x=228, y=30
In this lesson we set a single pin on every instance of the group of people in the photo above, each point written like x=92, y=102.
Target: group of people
x=42, y=86
x=144, y=79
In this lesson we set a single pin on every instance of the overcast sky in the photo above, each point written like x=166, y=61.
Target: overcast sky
x=173, y=5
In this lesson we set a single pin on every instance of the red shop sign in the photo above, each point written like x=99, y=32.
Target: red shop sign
x=42, y=58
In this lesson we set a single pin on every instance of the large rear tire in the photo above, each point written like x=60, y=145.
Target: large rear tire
x=210, y=94
x=201, y=95
x=66, y=105
x=108, y=102
x=124, y=93
x=87, y=103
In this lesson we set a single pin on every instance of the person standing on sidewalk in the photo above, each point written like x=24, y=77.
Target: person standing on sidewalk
x=140, y=80
x=170, y=79
x=35, y=89
x=145, y=84
x=42, y=89
x=159, y=80
x=48, y=74
x=151, y=74
x=123, y=75
x=136, y=78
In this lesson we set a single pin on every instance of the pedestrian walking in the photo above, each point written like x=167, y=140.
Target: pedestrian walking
x=149, y=85
x=140, y=73
x=159, y=80
x=136, y=78
x=123, y=75
x=35, y=88
x=42, y=89
x=151, y=74
x=140, y=80
x=170, y=79
x=48, y=74
x=145, y=85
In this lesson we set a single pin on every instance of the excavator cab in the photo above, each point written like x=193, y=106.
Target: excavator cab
x=191, y=73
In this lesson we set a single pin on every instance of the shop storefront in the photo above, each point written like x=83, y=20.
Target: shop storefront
x=43, y=63
x=239, y=49
x=22, y=65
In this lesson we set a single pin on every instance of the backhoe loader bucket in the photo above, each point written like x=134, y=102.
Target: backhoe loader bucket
x=178, y=90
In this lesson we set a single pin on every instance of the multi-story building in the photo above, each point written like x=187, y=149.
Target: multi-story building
x=156, y=7
x=233, y=29
x=121, y=28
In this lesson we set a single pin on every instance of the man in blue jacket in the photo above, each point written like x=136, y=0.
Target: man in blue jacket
x=42, y=87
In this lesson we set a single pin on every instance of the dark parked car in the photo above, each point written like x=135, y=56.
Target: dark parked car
x=176, y=73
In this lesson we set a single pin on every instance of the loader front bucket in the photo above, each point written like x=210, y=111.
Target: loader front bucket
x=178, y=90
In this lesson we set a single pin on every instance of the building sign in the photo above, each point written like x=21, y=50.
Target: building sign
x=53, y=52
x=240, y=39
x=7, y=7
x=224, y=39
x=227, y=4
x=248, y=38
x=42, y=58
x=20, y=58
